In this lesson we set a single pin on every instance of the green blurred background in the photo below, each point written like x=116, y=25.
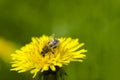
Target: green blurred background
x=95, y=22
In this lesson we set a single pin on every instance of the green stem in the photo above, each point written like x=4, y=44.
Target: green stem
x=59, y=74
x=50, y=76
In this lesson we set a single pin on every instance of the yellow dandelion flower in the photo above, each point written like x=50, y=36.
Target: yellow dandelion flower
x=46, y=53
x=6, y=48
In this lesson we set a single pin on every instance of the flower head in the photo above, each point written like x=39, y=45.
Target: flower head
x=30, y=57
